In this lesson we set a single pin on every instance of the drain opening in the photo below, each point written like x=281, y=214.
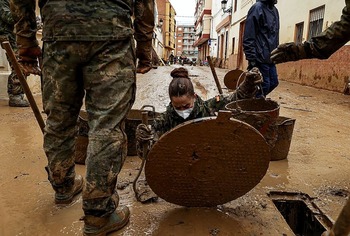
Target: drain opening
x=301, y=213
x=299, y=217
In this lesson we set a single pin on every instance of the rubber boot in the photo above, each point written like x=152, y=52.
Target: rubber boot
x=18, y=101
x=101, y=226
x=67, y=198
x=144, y=54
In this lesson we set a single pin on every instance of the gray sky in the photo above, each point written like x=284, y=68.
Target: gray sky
x=184, y=10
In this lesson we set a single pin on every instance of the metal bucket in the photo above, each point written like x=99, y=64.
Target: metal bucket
x=82, y=140
x=260, y=113
x=285, y=127
x=134, y=118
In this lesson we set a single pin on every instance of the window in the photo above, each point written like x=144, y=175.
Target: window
x=179, y=40
x=233, y=45
x=179, y=28
x=299, y=30
x=316, y=21
x=235, y=6
x=226, y=43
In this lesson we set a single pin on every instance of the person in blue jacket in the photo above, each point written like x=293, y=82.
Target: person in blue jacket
x=261, y=36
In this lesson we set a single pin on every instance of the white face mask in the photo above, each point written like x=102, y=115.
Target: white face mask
x=184, y=113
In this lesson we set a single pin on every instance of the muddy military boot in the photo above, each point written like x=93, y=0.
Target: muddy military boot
x=18, y=101
x=67, y=198
x=144, y=54
x=101, y=226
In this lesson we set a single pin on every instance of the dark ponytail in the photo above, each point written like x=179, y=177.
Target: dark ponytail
x=181, y=84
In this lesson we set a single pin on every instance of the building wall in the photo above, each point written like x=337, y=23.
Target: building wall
x=327, y=74
x=288, y=21
x=167, y=13
x=203, y=27
x=330, y=74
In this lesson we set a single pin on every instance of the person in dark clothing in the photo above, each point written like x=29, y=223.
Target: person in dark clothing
x=261, y=36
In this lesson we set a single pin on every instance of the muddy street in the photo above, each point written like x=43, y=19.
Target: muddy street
x=317, y=170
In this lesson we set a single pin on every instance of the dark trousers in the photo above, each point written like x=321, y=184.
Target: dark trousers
x=269, y=73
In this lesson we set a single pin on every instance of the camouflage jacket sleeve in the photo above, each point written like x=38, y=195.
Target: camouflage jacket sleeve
x=6, y=16
x=23, y=12
x=164, y=122
x=333, y=38
x=144, y=20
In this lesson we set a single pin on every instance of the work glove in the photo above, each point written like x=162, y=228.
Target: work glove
x=249, y=87
x=289, y=52
x=254, y=76
x=29, y=60
x=144, y=136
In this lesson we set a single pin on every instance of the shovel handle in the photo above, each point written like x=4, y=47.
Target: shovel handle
x=12, y=57
x=214, y=74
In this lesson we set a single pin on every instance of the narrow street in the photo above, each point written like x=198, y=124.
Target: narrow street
x=317, y=165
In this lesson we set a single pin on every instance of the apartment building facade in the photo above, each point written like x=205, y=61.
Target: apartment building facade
x=203, y=25
x=185, y=38
x=166, y=14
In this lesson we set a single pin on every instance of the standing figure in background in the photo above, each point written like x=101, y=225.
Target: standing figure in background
x=144, y=25
x=261, y=36
x=88, y=52
x=14, y=88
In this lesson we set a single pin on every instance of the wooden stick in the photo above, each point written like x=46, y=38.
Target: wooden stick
x=214, y=74
x=12, y=57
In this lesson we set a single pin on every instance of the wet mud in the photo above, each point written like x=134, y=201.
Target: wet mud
x=317, y=164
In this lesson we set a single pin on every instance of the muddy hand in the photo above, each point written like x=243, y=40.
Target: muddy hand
x=29, y=60
x=288, y=52
x=254, y=76
x=144, y=136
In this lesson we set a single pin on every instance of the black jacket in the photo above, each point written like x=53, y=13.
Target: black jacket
x=261, y=33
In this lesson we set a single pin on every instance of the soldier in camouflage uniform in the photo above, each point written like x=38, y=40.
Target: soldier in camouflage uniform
x=186, y=105
x=322, y=46
x=14, y=89
x=89, y=51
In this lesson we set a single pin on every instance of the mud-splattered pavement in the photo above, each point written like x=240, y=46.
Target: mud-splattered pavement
x=317, y=165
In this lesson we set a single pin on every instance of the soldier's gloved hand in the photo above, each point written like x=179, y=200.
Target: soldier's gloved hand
x=289, y=52
x=144, y=136
x=249, y=87
x=29, y=60
x=254, y=76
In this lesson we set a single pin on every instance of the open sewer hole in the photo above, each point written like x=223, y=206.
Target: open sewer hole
x=301, y=214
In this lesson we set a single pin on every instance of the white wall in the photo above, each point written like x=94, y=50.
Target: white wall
x=296, y=11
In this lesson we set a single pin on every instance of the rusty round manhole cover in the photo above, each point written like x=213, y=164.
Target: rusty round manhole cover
x=231, y=78
x=207, y=162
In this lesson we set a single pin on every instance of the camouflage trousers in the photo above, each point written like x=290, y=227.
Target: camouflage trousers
x=103, y=72
x=13, y=85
